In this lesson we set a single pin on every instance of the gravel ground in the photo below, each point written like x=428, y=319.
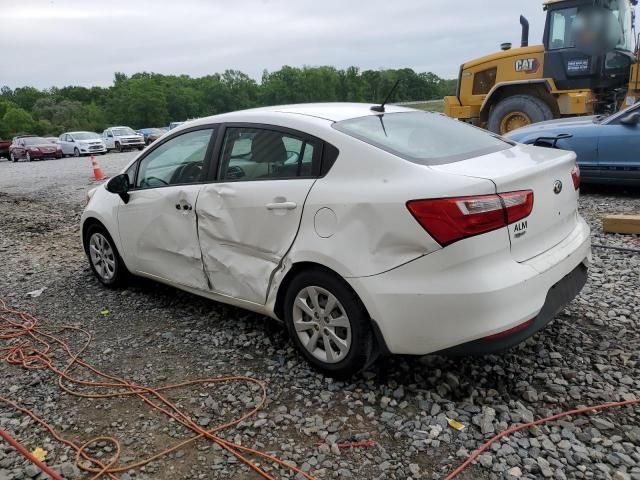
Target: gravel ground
x=157, y=335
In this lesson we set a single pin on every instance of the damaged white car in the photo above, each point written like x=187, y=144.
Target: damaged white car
x=366, y=230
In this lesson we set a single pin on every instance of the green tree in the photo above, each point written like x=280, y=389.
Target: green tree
x=17, y=120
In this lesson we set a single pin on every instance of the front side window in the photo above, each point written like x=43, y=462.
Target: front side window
x=563, y=28
x=253, y=154
x=178, y=161
x=423, y=137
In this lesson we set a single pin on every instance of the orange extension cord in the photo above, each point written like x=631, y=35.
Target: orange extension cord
x=29, y=345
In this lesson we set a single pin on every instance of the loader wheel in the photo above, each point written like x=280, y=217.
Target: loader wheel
x=516, y=112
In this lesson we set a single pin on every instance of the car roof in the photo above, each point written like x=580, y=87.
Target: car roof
x=333, y=112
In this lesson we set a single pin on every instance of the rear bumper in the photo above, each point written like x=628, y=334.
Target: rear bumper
x=557, y=298
x=434, y=304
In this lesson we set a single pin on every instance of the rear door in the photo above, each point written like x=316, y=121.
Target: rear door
x=546, y=172
x=249, y=218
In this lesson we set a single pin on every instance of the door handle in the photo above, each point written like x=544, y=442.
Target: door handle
x=281, y=206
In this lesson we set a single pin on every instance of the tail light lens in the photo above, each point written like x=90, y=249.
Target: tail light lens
x=575, y=176
x=449, y=220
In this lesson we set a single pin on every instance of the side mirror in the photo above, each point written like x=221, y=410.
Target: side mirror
x=120, y=186
x=631, y=120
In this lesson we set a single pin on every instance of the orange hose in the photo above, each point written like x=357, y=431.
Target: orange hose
x=27, y=454
x=29, y=346
x=517, y=428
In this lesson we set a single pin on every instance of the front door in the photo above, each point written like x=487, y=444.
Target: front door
x=249, y=218
x=619, y=150
x=158, y=226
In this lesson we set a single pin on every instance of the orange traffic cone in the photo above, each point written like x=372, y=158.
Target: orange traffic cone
x=97, y=171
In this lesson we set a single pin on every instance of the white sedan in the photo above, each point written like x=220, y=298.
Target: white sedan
x=366, y=232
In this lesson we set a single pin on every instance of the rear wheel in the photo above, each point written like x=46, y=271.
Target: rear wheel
x=105, y=261
x=328, y=323
x=517, y=112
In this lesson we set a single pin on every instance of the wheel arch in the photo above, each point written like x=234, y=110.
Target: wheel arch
x=303, y=266
x=540, y=89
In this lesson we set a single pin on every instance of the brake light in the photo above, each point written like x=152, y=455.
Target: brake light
x=575, y=176
x=449, y=220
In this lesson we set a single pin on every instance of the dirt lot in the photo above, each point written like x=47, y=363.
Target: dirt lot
x=156, y=335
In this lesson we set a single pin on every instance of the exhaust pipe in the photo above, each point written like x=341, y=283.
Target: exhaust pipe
x=525, y=31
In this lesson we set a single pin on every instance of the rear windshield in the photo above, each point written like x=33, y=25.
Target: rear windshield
x=423, y=137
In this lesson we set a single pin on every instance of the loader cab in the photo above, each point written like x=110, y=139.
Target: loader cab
x=589, y=43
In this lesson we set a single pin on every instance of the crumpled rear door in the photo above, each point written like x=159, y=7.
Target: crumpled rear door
x=245, y=229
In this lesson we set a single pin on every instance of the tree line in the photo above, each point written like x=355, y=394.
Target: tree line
x=153, y=100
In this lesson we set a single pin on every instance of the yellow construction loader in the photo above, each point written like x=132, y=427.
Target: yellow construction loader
x=587, y=65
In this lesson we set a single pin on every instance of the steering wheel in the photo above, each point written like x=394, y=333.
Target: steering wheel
x=146, y=180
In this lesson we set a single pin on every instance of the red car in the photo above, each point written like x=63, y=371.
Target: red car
x=34, y=148
x=4, y=148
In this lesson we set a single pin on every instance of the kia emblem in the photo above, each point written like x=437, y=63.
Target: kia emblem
x=557, y=187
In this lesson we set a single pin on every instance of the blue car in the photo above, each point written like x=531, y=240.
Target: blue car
x=608, y=148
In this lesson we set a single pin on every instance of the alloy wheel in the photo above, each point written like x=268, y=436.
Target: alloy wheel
x=102, y=256
x=76, y=152
x=322, y=324
x=28, y=157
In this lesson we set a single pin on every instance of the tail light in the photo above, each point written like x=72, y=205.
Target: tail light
x=575, y=176
x=449, y=220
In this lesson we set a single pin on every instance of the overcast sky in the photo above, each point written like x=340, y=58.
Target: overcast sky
x=83, y=42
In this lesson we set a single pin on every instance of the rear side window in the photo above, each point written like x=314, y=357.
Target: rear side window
x=255, y=153
x=423, y=137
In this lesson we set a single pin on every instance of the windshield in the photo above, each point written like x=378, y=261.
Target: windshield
x=85, y=136
x=123, y=131
x=35, y=141
x=609, y=23
x=422, y=137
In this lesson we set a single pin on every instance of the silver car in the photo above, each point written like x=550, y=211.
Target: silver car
x=81, y=143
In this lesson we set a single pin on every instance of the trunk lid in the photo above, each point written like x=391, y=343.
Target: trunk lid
x=545, y=171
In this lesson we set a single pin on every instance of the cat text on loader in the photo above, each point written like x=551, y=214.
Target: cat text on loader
x=587, y=65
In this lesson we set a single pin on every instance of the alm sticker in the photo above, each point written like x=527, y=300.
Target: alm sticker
x=527, y=65
x=520, y=229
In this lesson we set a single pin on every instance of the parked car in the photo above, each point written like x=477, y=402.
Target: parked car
x=402, y=232
x=33, y=148
x=173, y=125
x=51, y=139
x=81, y=143
x=607, y=147
x=151, y=134
x=4, y=148
x=122, y=138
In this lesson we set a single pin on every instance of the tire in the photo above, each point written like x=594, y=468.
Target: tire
x=354, y=329
x=28, y=157
x=119, y=147
x=517, y=111
x=104, y=259
x=12, y=157
x=76, y=152
x=140, y=148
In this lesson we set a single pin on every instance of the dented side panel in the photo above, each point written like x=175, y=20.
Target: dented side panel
x=244, y=234
x=161, y=240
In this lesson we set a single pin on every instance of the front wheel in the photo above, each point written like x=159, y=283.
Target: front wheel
x=12, y=157
x=328, y=323
x=118, y=147
x=105, y=261
x=76, y=152
x=28, y=157
x=517, y=112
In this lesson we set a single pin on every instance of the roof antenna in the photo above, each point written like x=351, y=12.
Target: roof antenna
x=380, y=108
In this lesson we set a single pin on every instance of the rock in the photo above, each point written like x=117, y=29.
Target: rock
x=515, y=472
